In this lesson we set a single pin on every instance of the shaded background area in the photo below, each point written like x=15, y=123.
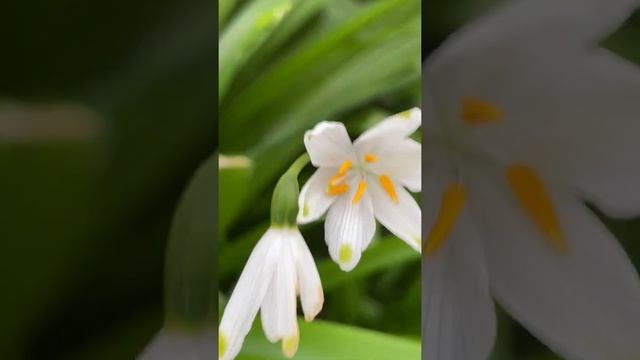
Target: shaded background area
x=106, y=109
x=443, y=17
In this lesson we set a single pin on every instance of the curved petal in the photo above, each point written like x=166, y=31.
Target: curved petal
x=249, y=293
x=278, y=311
x=576, y=120
x=328, y=144
x=398, y=159
x=535, y=24
x=311, y=295
x=313, y=201
x=349, y=228
x=396, y=126
x=583, y=303
x=402, y=218
x=458, y=318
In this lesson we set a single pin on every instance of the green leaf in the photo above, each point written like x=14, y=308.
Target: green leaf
x=326, y=340
x=245, y=34
x=234, y=175
x=190, y=287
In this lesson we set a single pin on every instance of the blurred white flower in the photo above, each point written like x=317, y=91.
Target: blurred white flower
x=176, y=343
x=279, y=268
x=361, y=182
x=527, y=117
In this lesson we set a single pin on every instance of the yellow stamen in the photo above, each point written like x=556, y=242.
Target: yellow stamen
x=453, y=199
x=337, y=189
x=387, y=185
x=222, y=345
x=346, y=166
x=290, y=346
x=345, y=253
x=370, y=158
x=532, y=195
x=478, y=112
x=336, y=179
x=362, y=186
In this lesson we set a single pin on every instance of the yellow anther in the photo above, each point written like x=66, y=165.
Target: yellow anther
x=362, y=186
x=336, y=179
x=337, y=189
x=453, y=199
x=370, y=158
x=345, y=253
x=532, y=195
x=222, y=345
x=388, y=187
x=346, y=166
x=477, y=112
x=290, y=346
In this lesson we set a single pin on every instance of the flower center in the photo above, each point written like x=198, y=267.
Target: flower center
x=337, y=184
x=523, y=182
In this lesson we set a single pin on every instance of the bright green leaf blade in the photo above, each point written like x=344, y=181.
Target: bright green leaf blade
x=325, y=340
x=245, y=34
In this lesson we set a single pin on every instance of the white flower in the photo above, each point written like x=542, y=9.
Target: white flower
x=357, y=182
x=172, y=344
x=526, y=118
x=279, y=268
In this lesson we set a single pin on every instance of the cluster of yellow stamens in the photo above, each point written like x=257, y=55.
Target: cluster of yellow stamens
x=522, y=180
x=338, y=186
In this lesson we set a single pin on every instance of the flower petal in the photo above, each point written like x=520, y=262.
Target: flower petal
x=584, y=303
x=535, y=24
x=278, y=311
x=458, y=313
x=311, y=295
x=328, y=144
x=349, y=229
x=575, y=120
x=396, y=126
x=313, y=201
x=248, y=294
x=397, y=158
x=403, y=218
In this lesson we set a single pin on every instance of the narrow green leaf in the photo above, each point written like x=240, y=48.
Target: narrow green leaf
x=234, y=174
x=245, y=34
x=326, y=340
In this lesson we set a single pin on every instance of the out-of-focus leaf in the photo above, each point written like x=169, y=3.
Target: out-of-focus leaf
x=224, y=8
x=380, y=255
x=245, y=34
x=325, y=340
x=234, y=175
x=190, y=287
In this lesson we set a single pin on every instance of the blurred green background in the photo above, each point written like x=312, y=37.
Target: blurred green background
x=441, y=18
x=106, y=110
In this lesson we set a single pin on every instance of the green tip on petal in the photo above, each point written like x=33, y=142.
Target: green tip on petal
x=305, y=210
x=345, y=253
x=406, y=115
x=222, y=345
